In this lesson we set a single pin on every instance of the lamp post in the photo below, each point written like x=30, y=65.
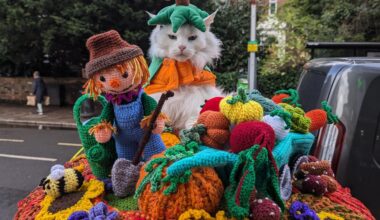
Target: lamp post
x=252, y=49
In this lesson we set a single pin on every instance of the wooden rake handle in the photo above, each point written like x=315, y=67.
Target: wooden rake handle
x=148, y=133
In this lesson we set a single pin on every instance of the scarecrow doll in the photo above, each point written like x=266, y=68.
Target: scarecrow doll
x=119, y=69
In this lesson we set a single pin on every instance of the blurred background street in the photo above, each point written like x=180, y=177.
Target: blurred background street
x=26, y=155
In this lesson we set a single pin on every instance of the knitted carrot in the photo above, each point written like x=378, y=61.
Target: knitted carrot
x=289, y=96
x=321, y=117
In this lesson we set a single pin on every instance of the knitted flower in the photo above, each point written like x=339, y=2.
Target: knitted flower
x=64, y=206
x=98, y=212
x=195, y=214
x=328, y=216
x=300, y=211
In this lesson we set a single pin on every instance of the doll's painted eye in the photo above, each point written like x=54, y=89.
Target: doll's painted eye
x=102, y=78
x=125, y=75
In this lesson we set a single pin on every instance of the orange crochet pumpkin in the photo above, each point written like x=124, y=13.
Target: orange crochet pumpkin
x=169, y=139
x=204, y=190
x=217, y=125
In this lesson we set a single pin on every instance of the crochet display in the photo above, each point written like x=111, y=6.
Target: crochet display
x=253, y=169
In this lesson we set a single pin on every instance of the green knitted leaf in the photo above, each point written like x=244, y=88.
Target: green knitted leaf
x=192, y=135
x=241, y=96
x=331, y=118
x=177, y=15
x=293, y=96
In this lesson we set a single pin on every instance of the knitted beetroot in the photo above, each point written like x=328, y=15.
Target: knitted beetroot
x=300, y=124
x=217, y=129
x=314, y=185
x=264, y=209
x=247, y=134
x=239, y=108
x=212, y=104
x=280, y=121
x=320, y=117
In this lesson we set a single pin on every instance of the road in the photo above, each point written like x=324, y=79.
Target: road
x=26, y=155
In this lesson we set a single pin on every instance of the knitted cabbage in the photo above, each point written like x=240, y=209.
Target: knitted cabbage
x=177, y=15
x=300, y=123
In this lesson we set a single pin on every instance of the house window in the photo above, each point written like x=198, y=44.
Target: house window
x=272, y=7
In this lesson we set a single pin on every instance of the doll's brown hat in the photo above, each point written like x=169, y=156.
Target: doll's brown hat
x=107, y=49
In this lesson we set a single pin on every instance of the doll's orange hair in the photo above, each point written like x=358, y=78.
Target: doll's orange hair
x=137, y=64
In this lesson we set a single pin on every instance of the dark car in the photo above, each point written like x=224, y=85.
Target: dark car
x=352, y=87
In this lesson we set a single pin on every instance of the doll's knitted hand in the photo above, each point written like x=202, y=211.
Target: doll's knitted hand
x=159, y=126
x=102, y=132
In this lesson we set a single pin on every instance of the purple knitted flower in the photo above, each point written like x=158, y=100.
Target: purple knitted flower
x=301, y=211
x=98, y=212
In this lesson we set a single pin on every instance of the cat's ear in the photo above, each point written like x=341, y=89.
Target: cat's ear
x=210, y=19
x=150, y=14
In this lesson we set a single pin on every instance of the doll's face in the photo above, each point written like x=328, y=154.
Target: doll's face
x=113, y=81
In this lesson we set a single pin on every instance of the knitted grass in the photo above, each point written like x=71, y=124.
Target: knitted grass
x=122, y=204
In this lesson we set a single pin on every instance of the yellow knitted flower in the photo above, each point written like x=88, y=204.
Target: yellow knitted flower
x=91, y=190
x=195, y=214
x=239, y=109
x=328, y=216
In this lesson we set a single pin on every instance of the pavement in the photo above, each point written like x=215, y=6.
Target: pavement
x=25, y=116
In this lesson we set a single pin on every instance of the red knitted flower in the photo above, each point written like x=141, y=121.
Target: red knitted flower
x=247, y=134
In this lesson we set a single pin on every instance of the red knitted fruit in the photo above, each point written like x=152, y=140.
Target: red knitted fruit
x=247, y=134
x=278, y=98
x=265, y=209
x=318, y=118
x=212, y=105
x=314, y=185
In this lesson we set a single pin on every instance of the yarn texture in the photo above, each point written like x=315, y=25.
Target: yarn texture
x=267, y=104
x=217, y=129
x=212, y=104
x=300, y=123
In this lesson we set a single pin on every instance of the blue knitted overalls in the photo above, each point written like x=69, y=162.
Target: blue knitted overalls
x=129, y=133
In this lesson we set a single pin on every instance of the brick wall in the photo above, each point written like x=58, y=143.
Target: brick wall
x=61, y=90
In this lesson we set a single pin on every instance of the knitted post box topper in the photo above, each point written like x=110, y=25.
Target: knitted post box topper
x=100, y=156
x=239, y=108
x=119, y=70
x=217, y=129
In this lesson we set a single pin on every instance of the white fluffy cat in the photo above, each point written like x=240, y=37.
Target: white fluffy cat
x=201, y=48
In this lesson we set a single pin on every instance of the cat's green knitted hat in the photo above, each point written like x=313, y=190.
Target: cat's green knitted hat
x=180, y=13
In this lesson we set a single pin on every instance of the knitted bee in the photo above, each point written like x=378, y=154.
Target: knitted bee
x=61, y=181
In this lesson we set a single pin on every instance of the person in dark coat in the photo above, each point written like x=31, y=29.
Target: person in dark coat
x=39, y=90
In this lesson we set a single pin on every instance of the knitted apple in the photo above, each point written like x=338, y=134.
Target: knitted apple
x=320, y=117
x=217, y=129
x=212, y=104
x=239, y=108
x=280, y=121
x=264, y=209
x=247, y=134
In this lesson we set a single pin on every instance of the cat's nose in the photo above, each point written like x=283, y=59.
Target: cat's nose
x=182, y=48
x=115, y=83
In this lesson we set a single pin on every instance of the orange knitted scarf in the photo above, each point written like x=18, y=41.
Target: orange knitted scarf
x=174, y=74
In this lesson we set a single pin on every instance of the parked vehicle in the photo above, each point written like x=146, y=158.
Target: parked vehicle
x=352, y=87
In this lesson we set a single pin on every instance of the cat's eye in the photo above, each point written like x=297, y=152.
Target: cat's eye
x=125, y=75
x=172, y=37
x=102, y=79
x=192, y=38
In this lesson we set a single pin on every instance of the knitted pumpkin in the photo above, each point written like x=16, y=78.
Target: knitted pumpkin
x=169, y=139
x=247, y=134
x=204, y=190
x=320, y=117
x=240, y=109
x=300, y=124
x=212, y=104
x=217, y=129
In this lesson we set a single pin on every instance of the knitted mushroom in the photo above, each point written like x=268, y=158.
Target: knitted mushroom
x=264, y=209
x=314, y=185
x=247, y=134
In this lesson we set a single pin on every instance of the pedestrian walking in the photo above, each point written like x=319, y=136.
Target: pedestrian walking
x=39, y=90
